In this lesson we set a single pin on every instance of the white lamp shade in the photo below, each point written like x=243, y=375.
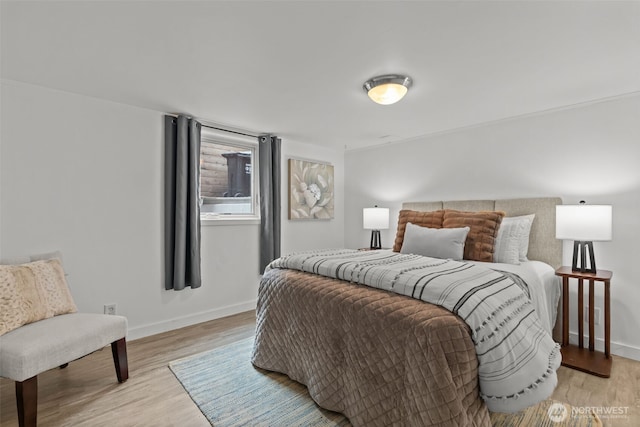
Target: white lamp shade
x=375, y=218
x=585, y=223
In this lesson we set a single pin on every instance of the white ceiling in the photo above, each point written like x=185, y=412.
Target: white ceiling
x=297, y=68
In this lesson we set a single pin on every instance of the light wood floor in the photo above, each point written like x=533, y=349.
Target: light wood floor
x=86, y=393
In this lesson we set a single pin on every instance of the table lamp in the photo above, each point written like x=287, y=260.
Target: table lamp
x=583, y=224
x=375, y=219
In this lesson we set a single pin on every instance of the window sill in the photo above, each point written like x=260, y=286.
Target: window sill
x=206, y=221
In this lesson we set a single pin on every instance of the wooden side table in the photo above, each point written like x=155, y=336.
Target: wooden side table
x=577, y=357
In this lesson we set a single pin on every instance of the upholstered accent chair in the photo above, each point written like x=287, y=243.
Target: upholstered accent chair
x=40, y=329
x=32, y=349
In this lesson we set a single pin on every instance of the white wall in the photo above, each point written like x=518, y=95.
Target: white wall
x=84, y=176
x=1, y=138
x=313, y=234
x=587, y=153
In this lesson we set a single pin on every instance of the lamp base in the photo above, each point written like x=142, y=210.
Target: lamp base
x=580, y=250
x=375, y=240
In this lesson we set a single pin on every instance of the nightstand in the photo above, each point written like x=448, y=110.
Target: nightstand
x=577, y=357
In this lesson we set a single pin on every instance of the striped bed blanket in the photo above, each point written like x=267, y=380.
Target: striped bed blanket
x=517, y=357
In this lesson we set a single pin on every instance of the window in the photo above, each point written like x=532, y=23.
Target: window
x=228, y=175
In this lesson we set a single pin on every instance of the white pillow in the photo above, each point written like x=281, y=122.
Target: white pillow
x=445, y=243
x=512, y=241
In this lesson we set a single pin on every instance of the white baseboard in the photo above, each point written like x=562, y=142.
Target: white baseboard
x=618, y=349
x=191, y=319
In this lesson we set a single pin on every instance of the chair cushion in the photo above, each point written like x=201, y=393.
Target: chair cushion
x=49, y=343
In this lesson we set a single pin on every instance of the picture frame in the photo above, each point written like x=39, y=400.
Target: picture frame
x=311, y=190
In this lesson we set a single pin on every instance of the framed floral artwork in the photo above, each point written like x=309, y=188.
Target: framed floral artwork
x=310, y=190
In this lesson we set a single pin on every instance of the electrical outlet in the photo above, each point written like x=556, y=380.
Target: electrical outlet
x=110, y=309
x=596, y=315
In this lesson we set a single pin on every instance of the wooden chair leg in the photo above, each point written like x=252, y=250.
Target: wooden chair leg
x=27, y=400
x=119, y=350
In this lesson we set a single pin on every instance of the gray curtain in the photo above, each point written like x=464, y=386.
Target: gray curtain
x=182, y=203
x=269, y=170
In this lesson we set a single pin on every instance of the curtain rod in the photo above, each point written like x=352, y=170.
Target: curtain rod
x=204, y=124
x=227, y=130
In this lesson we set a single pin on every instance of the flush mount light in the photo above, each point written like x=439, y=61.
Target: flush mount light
x=387, y=89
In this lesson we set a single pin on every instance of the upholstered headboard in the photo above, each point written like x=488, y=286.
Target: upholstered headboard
x=543, y=245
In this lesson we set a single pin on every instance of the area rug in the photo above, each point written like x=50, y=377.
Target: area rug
x=230, y=391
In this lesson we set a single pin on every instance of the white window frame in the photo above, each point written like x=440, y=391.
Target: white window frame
x=249, y=143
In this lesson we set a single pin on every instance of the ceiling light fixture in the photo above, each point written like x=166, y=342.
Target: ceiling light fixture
x=387, y=89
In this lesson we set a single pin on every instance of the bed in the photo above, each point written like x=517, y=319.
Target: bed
x=355, y=332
